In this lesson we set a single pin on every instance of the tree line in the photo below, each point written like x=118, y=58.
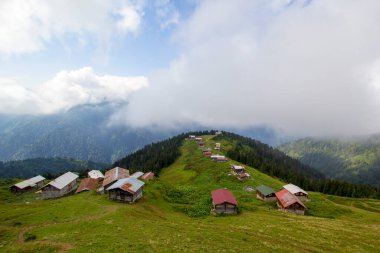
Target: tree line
x=156, y=156
x=275, y=163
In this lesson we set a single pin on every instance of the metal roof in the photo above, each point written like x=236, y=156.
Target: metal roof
x=286, y=198
x=265, y=190
x=221, y=196
x=115, y=174
x=294, y=189
x=148, y=175
x=217, y=156
x=87, y=184
x=61, y=181
x=237, y=167
x=137, y=174
x=129, y=184
x=30, y=182
x=95, y=174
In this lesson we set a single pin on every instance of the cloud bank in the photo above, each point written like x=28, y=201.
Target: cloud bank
x=305, y=67
x=67, y=89
x=27, y=26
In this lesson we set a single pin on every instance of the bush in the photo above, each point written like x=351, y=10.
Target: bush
x=29, y=237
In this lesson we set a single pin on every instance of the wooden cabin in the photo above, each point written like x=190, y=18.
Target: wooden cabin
x=96, y=174
x=208, y=153
x=33, y=183
x=87, y=184
x=266, y=193
x=219, y=158
x=126, y=190
x=201, y=144
x=148, y=176
x=113, y=175
x=297, y=191
x=217, y=146
x=223, y=201
x=287, y=202
x=198, y=139
x=192, y=137
x=236, y=169
x=206, y=150
x=60, y=186
x=243, y=176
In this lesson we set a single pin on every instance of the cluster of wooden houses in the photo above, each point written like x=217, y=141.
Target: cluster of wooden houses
x=289, y=199
x=117, y=183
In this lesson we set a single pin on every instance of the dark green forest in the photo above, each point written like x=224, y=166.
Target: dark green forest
x=276, y=163
x=48, y=167
x=156, y=156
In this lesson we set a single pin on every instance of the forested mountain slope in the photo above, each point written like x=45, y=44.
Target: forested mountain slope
x=356, y=160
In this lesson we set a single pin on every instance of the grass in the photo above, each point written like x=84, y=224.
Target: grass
x=173, y=216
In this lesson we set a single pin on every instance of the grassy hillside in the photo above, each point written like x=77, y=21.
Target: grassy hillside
x=173, y=216
x=356, y=160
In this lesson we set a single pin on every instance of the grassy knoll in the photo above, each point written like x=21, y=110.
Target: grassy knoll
x=173, y=216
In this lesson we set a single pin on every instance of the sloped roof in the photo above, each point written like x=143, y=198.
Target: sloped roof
x=265, y=190
x=237, y=167
x=221, y=196
x=148, y=175
x=286, y=198
x=115, y=174
x=29, y=182
x=137, y=174
x=95, y=174
x=129, y=184
x=63, y=180
x=294, y=189
x=88, y=184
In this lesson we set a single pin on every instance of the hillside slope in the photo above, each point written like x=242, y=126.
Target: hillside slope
x=173, y=216
x=356, y=161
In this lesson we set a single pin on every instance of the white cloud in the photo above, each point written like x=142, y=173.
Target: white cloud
x=166, y=12
x=66, y=90
x=300, y=66
x=26, y=26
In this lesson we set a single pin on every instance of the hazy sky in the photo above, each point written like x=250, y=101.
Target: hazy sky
x=303, y=67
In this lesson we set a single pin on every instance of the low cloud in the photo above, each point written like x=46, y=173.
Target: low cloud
x=305, y=67
x=27, y=26
x=66, y=90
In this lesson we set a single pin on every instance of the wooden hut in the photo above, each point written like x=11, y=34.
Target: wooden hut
x=148, y=176
x=297, y=191
x=87, y=184
x=97, y=174
x=223, y=201
x=28, y=185
x=126, y=190
x=113, y=175
x=236, y=169
x=243, y=176
x=60, y=186
x=219, y=158
x=265, y=193
x=217, y=146
x=287, y=202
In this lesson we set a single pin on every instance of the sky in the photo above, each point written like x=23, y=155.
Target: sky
x=307, y=67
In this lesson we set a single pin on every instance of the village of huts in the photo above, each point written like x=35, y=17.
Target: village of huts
x=120, y=185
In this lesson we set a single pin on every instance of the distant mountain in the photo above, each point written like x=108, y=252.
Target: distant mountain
x=354, y=160
x=49, y=167
x=81, y=133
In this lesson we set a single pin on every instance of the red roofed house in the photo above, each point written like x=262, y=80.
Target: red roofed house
x=148, y=176
x=223, y=201
x=208, y=153
x=287, y=202
x=87, y=184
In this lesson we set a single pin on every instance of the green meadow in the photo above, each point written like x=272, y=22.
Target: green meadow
x=174, y=216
